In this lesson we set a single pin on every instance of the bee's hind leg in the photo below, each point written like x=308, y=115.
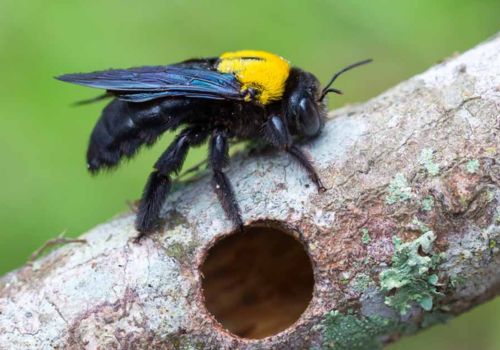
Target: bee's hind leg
x=159, y=182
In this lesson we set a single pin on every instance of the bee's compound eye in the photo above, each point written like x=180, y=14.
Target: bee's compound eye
x=308, y=117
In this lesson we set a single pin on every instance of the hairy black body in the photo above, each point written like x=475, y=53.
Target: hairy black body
x=219, y=114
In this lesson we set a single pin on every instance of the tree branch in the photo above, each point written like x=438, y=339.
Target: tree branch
x=407, y=234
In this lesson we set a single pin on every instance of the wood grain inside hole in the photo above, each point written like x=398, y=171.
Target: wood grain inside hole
x=257, y=283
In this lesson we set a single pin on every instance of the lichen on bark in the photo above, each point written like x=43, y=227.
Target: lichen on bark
x=411, y=277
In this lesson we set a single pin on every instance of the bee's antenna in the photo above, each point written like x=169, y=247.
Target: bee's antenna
x=326, y=91
x=327, y=88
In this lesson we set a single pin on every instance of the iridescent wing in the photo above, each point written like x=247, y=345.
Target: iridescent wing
x=152, y=82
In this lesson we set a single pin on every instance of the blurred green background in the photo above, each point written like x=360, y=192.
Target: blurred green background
x=45, y=188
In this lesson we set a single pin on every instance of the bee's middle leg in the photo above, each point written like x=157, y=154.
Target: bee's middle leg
x=218, y=158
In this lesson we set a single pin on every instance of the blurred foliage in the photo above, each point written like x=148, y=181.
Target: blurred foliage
x=45, y=187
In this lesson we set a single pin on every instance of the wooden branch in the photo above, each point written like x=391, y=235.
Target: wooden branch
x=406, y=236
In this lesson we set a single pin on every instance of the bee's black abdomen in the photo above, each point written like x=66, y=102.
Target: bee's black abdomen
x=124, y=127
x=112, y=125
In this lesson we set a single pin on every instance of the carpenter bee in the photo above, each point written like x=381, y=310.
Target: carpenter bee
x=242, y=95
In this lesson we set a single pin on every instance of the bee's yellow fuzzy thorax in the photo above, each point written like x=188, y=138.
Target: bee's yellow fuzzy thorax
x=262, y=71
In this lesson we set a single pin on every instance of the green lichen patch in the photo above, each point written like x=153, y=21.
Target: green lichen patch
x=351, y=332
x=456, y=281
x=420, y=226
x=399, y=190
x=472, y=166
x=426, y=159
x=345, y=277
x=362, y=282
x=410, y=279
x=492, y=244
x=428, y=203
x=490, y=196
x=365, y=236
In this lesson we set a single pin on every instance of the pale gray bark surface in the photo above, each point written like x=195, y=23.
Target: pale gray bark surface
x=420, y=162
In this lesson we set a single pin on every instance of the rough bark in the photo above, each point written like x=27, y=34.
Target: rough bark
x=407, y=234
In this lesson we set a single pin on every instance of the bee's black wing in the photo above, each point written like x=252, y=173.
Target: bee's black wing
x=152, y=82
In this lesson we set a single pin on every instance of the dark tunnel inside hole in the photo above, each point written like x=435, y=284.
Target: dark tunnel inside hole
x=257, y=283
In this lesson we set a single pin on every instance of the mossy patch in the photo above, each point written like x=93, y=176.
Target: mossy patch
x=179, y=243
x=176, y=251
x=410, y=279
x=399, y=190
x=181, y=251
x=182, y=342
x=433, y=318
x=175, y=219
x=351, y=332
x=426, y=159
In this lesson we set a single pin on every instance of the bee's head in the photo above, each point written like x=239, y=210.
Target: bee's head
x=306, y=101
x=305, y=111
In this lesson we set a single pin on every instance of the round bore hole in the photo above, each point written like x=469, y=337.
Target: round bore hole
x=257, y=283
